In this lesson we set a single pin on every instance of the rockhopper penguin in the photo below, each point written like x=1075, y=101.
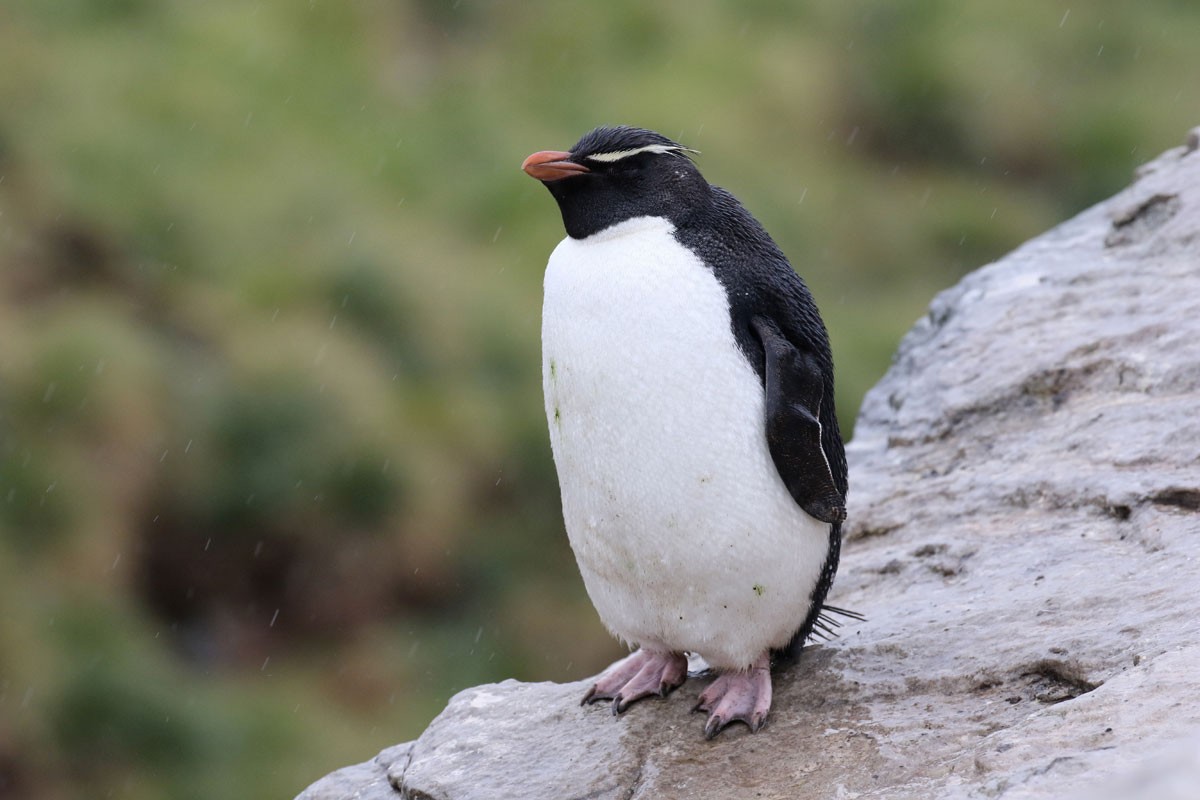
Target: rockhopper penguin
x=689, y=391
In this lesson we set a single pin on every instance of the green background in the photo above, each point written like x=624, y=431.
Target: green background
x=274, y=476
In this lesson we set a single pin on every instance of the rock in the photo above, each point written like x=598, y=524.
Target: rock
x=366, y=781
x=1024, y=539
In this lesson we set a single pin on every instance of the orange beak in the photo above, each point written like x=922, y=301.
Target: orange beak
x=552, y=165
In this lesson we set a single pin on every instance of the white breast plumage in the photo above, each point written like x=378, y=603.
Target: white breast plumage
x=684, y=532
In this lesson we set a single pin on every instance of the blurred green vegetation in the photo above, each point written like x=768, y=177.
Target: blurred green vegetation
x=274, y=480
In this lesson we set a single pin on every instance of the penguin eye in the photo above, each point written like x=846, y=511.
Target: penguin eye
x=625, y=165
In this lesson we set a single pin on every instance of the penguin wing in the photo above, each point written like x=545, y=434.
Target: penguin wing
x=794, y=392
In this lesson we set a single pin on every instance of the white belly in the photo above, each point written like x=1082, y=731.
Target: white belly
x=684, y=532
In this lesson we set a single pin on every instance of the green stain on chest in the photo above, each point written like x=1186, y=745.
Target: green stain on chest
x=758, y=589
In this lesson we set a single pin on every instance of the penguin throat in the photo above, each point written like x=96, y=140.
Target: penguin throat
x=631, y=227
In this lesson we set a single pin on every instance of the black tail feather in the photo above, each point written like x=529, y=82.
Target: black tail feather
x=826, y=624
x=842, y=612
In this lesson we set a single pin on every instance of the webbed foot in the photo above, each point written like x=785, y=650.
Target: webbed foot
x=639, y=675
x=738, y=697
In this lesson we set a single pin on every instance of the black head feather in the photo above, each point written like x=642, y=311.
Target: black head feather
x=609, y=139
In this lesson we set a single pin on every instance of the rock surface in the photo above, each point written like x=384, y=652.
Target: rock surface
x=1024, y=540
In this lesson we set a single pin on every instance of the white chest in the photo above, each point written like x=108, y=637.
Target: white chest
x=684, y=533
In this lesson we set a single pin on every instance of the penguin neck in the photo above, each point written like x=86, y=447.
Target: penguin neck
x=631, y=227
x=589, y=207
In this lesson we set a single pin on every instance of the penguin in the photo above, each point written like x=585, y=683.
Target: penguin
x=688, y=384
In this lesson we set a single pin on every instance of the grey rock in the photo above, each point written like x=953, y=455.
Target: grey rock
x=366, y=781
x=1024, y=539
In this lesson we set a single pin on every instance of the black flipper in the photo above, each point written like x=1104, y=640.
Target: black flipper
x=794, y=389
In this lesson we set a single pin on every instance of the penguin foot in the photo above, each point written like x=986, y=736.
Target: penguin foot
x=738, y=697
x=639, y=675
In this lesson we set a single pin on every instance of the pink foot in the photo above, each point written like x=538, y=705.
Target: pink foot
x=734, y=696
x=639, y=675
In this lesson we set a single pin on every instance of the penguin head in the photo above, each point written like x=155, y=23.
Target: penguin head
x=618, y=173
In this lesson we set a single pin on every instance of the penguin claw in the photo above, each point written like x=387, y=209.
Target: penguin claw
x=714, y=726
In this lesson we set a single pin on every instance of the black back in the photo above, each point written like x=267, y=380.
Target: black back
x=765, y=293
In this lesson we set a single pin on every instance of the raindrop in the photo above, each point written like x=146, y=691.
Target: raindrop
x=163, y=457
x=116, y=561
x=274, y=617
x=351, y=239
x=266, y=661
x=1063, y=21
x=258, y=547
x=51, y=388
x=496, y=235
x=187, y=447
x=208, y=544
x=478, y=634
